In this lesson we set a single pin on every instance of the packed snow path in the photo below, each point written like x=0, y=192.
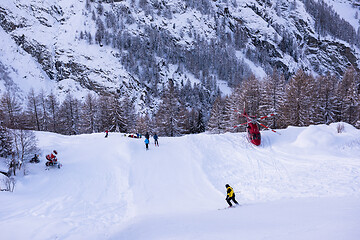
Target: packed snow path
x=304, y=184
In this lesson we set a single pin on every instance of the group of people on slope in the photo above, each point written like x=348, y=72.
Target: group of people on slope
x=147, y=140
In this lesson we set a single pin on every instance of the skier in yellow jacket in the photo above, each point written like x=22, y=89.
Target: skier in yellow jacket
x=230, y=195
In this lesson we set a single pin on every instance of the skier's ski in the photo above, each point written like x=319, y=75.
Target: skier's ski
x=228, y=207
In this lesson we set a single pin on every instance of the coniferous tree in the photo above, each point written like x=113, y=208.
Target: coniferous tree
x=196, y=121
x=89, y=38
x=93, y=15
x=89, y=114
x=326, y=101
x=348, y=92
x=200, y=123
x=250, y=93
x=100, y=8
x=115, y=114
x=5, y=141
x=52, y=106
x=272, y=98
x=44, y=118
x=100, y=32
x=104, y=116
x=88, y=5
x=142, y=124
x=192, y=120
x=236, y=103
x=183, y=120
x=295, y=110
x=11, y=110
x=216, y=122
x=231, y=116
x=128, y=114
x=33, y=110
x=70, y=115
x=166, y=117
x=310, y=100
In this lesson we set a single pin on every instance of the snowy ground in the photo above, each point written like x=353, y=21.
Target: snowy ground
x=302, y=184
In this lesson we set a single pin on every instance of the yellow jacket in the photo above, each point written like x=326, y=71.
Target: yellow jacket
x=230, y=192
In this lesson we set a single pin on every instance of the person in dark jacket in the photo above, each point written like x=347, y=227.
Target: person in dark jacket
x=12, y=166
x=156, y=139
x=230, y=195
x=35, y=159
x=147, y=136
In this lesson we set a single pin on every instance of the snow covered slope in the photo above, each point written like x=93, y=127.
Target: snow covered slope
x=347, y=9
x=302, y=184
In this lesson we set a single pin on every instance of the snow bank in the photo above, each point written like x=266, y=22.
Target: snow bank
x=324, y=138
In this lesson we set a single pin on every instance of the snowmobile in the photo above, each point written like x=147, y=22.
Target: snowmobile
x=35, y=159
x=52, y=162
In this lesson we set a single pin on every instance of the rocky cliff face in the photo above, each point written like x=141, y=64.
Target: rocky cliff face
x=47, y=32
x=263, y=33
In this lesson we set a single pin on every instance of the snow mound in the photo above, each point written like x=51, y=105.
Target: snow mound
x=326, y=138
x=316, y=137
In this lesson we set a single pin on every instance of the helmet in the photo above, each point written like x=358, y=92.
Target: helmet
x=227, y=185
x=55, y=152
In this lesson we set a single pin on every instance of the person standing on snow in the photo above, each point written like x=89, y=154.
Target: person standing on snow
x=147, y=135
x=12, y=166
x=230, y=195
x=147, y=143
x=156, y=139
x=106, y=133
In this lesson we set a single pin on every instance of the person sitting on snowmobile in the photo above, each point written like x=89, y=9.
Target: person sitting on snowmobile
x=35, y=159
x=230, y=195
x=52, y=159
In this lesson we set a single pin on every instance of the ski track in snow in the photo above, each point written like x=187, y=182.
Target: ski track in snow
x=112, y=188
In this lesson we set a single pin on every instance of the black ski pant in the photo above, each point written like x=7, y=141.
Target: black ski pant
x=228, y=199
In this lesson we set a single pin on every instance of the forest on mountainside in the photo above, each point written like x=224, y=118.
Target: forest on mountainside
x=209, y=59
x=301, y=101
